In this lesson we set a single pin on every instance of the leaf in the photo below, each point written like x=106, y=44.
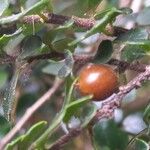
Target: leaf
x=62, y=44
x=143, y=17
x=5, y=127
x=9, y=98
x=57, y=39
x=132, y=52
x=143, y=135
x=37, y=7
x=62, y=68
x=135, y=35
x=73, y=107
x=99, y=25
x=107, y=134
x=141, y=145
x=11, y=47
x=53, y=68
x=146, y=115
x=3, y=6
x=104, y=52
x=3, y=78
x=100, y=14
x=24, y=141
x=87, y=5
x=89, y=113
x=30, y=44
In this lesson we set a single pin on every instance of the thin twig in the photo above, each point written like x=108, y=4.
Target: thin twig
x=30, y=111
x=85, y=23
x=108, y=107
x=64, y=139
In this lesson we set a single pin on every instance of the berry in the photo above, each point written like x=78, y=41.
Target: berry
x=99, y=80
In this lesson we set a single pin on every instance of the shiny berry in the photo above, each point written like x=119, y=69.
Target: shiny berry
x=99, y=80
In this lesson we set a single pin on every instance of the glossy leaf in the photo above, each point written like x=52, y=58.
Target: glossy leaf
x=5, y=38
x=87, y=5
x=36, y=8
x=30, y=45
x=3, y=6
x=11, y=47
x=132, y=52
x=135, y=35
x=142, y=136
x=53, y=68
x=61, y=44
x=104, y=51
x=9, y=98
x=89, y=112
x=5, y=127
x=62, y=68
x=100, y=14
x=107, y=134
x=73, y=107
x=24, y=141
x=3, y=78
x=141, y=145
x=147, y=115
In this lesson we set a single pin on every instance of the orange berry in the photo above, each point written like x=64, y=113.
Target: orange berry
x=99, y=80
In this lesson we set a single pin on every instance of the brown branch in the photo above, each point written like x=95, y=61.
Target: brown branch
x=86, y=23
x=79, y=59
x=51, y=55
x=59, y=20
x=30, y=111
x=108, y=107
x=64, y=139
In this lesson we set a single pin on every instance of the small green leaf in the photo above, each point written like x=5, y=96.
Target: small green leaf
x=146, y=115
x=74, y=106
x=11, y=47
x=141, y=145
x=24, y=141
x=135, y=35
x=144, y=135
x=62, y=68
x=89, y=112
x=3, y=6
x=61, y=44
x=107, y=134
x=86, y=5
x=30, y=45
x=3, y=78
x=100, y=14
x=5, y=127
x=132, y=52
x=36, y=8
x=53, y=68
x=9, y=98
x=104, y=52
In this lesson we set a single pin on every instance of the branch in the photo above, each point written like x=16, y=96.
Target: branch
x=84, y=23
x=30, y=111
x=59, y=20
x=108, y=107
x=64, y=139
